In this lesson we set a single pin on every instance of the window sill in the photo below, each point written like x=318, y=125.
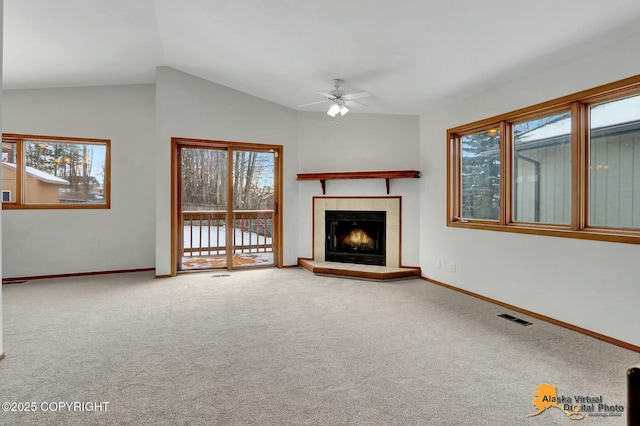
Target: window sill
x=599, y=234
x=11, y=206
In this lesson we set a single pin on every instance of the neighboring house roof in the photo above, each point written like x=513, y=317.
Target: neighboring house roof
x=608, y=114
x=40, y=175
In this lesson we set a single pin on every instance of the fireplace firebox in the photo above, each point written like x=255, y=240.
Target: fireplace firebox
x=355, y=236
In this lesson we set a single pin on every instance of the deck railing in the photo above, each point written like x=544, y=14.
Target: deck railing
x=204, y=232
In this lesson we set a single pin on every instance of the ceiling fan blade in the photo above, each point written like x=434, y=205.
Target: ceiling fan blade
x=328, y=95
x=351, y=103
x=313, y=103
x=356, y=95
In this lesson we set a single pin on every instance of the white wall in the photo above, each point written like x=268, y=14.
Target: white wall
x=590, y=284
x=360, y=142
x=190, y=107
x=46, y=242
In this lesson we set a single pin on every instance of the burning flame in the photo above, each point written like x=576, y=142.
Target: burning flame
x=358, y=238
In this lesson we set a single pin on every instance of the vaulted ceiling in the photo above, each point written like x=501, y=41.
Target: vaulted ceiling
x=408, y=54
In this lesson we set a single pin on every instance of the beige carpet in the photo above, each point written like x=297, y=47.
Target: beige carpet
x=285, y=347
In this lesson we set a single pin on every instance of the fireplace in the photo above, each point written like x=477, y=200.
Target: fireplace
x=355, y=236
x=390, y=205
x=380, y=246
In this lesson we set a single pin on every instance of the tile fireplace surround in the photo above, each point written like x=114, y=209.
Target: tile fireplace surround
x=392, y=205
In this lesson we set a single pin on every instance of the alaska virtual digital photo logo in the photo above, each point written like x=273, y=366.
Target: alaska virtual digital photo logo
x=575, y=406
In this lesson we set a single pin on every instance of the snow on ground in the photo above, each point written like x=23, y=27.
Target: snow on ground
x=192, y=239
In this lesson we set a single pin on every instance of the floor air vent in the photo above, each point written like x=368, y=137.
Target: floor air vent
x=220, y=275
x=514, y=319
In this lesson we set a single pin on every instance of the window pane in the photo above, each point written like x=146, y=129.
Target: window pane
x=253, y=174
x=480, y=180
x=8, y=172
x=64, y=173
x=614, y=169
x=542, y=169
x=204, y=179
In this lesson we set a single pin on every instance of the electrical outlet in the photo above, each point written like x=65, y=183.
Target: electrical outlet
x=452, y=266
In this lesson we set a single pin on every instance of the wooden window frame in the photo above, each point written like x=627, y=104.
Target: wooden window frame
x=579, y=104
x=19, y=203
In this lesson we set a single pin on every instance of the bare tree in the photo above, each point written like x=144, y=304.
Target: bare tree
x=251, y=164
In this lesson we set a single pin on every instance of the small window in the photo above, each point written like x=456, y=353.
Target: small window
x=6, y=196
x=54, y=172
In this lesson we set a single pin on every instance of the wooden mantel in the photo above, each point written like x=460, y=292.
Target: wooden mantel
x=386, y=175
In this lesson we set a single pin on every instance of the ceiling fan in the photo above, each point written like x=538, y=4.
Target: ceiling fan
x=339, y=100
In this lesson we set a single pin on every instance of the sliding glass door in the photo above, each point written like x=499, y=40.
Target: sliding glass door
x=203, y=208
x=226, y=205
x=253, y=207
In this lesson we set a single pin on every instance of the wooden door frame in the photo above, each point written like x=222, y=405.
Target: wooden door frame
x=178, y=143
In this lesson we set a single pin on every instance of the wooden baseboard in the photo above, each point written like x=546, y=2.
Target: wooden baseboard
x=288, y=266
x=78, y=274
x=412, y=267
x=164, y=276
x=544, y=318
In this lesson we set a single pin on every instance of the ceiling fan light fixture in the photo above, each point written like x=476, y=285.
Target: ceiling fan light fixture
x=334, y=109
x=343, y=110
